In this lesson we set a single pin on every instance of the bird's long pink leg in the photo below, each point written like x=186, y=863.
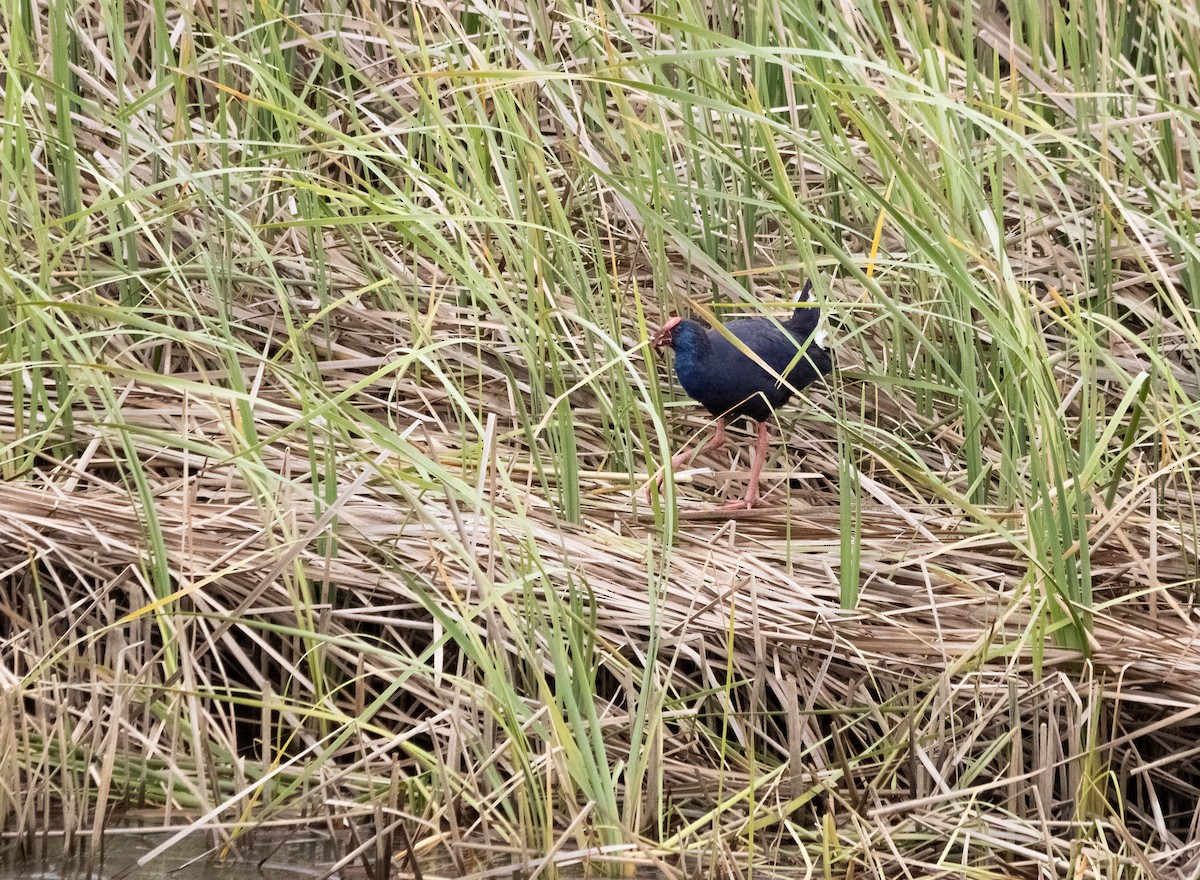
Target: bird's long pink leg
x=760, y=458
x=716, y=442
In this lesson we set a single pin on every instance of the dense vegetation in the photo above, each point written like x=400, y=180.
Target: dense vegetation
x=327, y=408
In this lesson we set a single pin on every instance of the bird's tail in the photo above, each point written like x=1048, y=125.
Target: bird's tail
x=806, y=322
x=805, y=319
x=805, y=294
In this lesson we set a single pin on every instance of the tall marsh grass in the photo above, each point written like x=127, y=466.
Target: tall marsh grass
x=327, y=408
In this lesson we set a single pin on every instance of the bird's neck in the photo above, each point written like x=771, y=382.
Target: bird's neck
x=691, y=344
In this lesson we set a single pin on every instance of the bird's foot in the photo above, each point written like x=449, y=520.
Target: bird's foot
x=747, y=503
x=678, y=460
x=648, y=489
x=655, y=482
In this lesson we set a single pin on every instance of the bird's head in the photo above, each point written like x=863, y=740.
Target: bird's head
x=681, y=333
x=665, y=337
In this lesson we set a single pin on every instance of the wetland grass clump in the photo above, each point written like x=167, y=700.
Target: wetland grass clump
x=327, y=404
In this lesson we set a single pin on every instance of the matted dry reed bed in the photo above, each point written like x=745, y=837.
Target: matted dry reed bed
x=326, y=410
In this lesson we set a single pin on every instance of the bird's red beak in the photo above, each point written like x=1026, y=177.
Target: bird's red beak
x=666, y=334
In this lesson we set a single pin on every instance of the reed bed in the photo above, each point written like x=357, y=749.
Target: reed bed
x=328, y=415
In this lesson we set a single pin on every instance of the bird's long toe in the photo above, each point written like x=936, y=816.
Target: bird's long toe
x=740, y=504
x=749, y=502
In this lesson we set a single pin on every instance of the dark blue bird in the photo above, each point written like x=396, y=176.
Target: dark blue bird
x=729, y=384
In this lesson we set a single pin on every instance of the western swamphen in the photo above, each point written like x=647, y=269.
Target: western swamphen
x=729, y=384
